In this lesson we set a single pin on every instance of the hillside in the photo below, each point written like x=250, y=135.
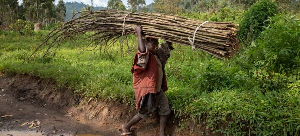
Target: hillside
x=77, y=7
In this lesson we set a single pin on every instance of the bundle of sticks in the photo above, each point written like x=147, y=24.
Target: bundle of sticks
x=216, y=38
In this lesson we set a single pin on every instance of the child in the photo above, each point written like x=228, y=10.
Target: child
x=149, y=81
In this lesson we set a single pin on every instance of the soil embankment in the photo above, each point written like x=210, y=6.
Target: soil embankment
x=31, y=103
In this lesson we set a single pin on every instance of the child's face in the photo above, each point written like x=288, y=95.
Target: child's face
x=152, y=46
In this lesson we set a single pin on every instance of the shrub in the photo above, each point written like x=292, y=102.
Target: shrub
x=220, y=75
x=23, y=27
x=216, y=77
x=255, y=19
x=197, y=16
x=277, y=50
x=297, y=15
x=226, y=14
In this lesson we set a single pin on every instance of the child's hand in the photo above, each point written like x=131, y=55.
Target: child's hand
x=138, y=30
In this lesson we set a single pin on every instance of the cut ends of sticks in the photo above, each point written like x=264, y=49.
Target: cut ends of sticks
x=216, y=38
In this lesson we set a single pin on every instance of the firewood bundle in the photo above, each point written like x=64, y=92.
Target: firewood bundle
x=216, y=38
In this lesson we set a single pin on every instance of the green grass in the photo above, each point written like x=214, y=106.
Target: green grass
x=90, y=72
x=200, y=86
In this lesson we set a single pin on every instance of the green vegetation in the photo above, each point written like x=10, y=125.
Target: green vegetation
x=91, y=72
x=255, y=19
x=277, y=49
x=35, y=11
x=23, y=27
x=257, y=92
x=224, y=14
x=135, y=4
x=115, y=4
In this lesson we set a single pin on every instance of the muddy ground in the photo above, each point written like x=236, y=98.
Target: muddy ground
x=38, y=105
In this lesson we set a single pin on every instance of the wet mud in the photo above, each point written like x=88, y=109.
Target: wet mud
x=34, y=106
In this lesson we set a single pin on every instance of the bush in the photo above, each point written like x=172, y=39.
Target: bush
x=255, y=19
x=226, y=14
x=219, y=75
x=197, y=16
x=277, y=50
x=23, y=27
x=297, y=15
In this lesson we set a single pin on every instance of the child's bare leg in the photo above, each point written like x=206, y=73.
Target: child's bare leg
x=133, y=121
x=162, y=124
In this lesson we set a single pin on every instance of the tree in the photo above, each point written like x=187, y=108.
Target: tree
x=167, y=6
x=60, y=11
x=73, y=10
x=255, y=20
x=48, y=12
x=21, y=12
x=39, y=10
x=290, y=5
x=9, y=11
x=86, y=10
x=135, y=5
x=115, y=4
x=244, y=3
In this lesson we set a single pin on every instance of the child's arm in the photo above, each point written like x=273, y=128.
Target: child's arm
x=141, y=46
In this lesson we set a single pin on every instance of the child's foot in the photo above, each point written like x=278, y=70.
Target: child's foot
x=125, y=131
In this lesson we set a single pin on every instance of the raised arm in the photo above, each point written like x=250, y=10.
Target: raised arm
x=141, y=46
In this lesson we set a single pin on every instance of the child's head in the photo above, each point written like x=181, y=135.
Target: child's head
x=151, y=44
x=164, y=52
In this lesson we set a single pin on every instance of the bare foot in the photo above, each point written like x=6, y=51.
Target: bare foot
x=125, y=131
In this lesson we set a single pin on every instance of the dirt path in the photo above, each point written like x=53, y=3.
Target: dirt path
x=23, y=112
x=33, y=106
x=30, y=103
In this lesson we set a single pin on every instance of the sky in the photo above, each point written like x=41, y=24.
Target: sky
x=102, y=3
